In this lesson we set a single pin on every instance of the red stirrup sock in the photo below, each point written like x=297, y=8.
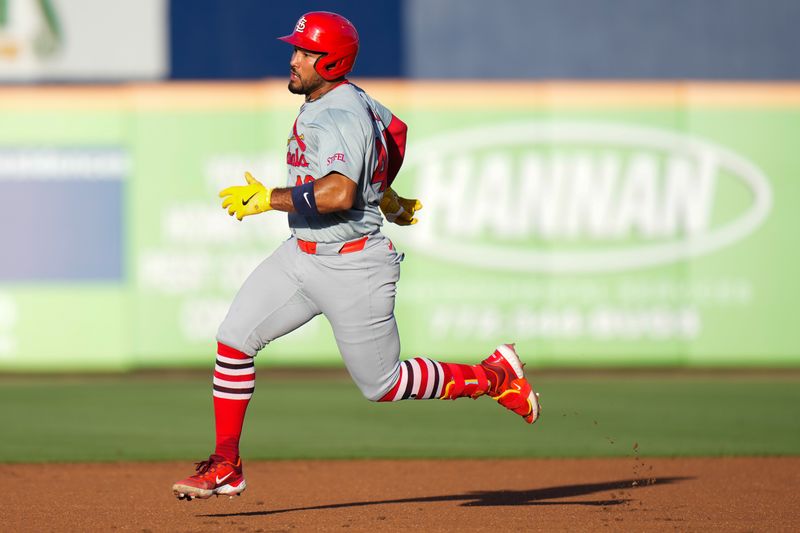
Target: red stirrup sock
x=423, y=379
x=234, y=382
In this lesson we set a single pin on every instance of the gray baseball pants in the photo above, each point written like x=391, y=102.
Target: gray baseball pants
x=355, y=292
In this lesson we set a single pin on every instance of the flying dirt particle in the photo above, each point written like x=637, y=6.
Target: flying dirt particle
x=636, y=446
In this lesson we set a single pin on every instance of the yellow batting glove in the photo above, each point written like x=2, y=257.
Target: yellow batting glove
x=244, y=200
x=398, y=209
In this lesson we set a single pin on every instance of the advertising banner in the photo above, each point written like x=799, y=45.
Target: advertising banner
x=593, y=224
x=644, y=231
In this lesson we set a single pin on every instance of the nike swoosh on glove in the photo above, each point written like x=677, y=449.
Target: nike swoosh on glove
x=245, y=200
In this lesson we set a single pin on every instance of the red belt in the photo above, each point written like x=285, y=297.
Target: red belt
x=310, y=247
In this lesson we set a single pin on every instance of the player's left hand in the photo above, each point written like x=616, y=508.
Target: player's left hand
x=244, y=200
x=398, y=209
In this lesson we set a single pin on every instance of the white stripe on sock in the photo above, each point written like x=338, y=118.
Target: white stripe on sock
x=417, y=372
x=440, y=372
x=235, y=371
x=234, y=384
x=232, y=361
x=431, y=375
x=403, y=381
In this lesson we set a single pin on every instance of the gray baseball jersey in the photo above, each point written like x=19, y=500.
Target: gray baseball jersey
x=340, y=132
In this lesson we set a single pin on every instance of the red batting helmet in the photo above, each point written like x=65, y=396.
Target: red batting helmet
x=330, y=34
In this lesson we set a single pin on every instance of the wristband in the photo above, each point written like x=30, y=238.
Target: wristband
x=303, y=200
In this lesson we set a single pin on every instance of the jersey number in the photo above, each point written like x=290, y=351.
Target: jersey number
x=299, y=181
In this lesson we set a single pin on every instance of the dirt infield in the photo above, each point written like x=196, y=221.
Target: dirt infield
x=733, y=494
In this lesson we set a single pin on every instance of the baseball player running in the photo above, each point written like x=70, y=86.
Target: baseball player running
x=344, y=151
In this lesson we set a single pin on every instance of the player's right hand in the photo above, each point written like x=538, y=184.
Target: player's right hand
x=244, y=200
x=398, y=209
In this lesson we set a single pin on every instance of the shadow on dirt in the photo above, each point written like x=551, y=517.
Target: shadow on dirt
x=499, y=498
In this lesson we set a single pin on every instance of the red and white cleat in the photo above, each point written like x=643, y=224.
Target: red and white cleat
x=215, y=475
x=508, y=384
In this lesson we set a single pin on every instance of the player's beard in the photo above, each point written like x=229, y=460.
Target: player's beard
x=306, y=87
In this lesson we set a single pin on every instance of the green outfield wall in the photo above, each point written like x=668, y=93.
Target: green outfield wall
x=594, y=223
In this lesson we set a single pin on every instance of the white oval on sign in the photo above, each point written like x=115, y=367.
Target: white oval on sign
x=644, y=197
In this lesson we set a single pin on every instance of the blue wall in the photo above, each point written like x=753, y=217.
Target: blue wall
x=237, y=39
x=523, y=39
x=578, y=39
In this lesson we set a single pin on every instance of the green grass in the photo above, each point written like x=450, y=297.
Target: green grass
x=141, y=418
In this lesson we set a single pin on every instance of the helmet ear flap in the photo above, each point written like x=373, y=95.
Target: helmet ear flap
x=337, y=63
x=325, y=64
x=331, y=34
